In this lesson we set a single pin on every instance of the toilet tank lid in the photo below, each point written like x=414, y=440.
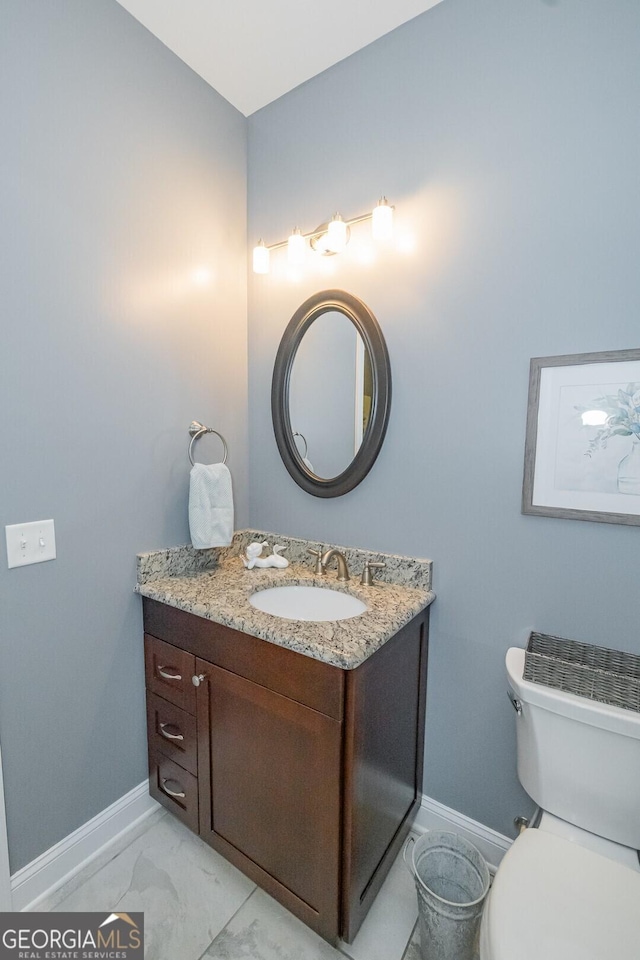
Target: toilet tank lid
x=603, y=715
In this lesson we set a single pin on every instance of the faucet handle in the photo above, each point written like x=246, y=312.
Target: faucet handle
x=318, y=555
x=366, y=579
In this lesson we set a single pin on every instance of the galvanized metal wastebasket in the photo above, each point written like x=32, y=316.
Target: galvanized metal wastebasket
x=452, y=881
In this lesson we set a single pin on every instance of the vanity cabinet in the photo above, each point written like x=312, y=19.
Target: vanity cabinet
x=303, y=775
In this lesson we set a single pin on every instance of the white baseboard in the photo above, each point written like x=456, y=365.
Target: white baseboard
x=57, y=865
x=435, y=816
x=61, y=862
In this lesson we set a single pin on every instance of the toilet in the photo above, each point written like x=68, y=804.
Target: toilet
x=569, y=887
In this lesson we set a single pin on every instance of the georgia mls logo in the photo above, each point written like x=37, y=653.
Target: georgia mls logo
x=71, y=936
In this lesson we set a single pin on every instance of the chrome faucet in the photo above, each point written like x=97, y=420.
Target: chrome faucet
x=343, y=568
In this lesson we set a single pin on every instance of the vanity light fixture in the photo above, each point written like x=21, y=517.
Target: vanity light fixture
x=297, y=248
x=382, y=220
x=261, y=258
x=328, y=238
x=337, y=234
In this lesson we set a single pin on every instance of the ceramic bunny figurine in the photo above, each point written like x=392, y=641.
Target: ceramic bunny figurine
x=254, y=558
x=253, y=552
x=275, y=560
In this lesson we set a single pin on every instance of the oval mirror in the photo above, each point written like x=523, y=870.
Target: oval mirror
x=331, y=393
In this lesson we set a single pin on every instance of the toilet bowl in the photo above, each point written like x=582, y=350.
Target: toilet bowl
x=569, y=889
x=553, y=899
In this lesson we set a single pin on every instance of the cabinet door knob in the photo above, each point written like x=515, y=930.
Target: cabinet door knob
x=164, y=732
x=173, y=793
x=169, y=673
x=200, y=678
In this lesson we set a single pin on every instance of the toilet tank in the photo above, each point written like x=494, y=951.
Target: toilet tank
x=577, y=758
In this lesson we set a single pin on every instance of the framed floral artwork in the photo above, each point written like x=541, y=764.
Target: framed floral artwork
x=582, y=450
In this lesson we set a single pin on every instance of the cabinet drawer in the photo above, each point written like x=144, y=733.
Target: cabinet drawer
x=174, y=788
x=169, y=673
x=172, y=732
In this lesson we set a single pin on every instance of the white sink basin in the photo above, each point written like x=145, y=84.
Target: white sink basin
x=307, y=603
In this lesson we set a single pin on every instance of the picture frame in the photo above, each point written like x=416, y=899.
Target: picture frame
x=582, y=447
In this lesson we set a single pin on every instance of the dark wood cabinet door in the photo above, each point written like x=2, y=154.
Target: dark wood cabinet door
x=270, y=787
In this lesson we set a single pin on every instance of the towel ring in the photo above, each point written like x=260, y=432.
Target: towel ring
x=304, y=440
x=198, y=430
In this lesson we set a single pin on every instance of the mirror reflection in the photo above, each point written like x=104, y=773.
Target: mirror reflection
x=330, y=394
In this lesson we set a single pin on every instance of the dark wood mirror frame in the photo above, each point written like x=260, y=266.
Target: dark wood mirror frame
x=368, y=328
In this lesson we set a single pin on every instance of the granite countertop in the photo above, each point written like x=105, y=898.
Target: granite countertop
x=214, y=584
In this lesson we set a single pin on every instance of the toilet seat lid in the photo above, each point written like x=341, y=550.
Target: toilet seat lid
x=556, y=900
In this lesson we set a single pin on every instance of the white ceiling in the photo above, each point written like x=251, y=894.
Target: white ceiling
x=253, y=51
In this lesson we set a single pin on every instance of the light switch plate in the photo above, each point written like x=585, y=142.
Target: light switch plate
x=32, y=542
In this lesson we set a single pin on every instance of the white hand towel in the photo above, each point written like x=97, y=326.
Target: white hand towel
x=210, y=506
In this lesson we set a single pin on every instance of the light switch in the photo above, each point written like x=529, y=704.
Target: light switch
x=30, y=542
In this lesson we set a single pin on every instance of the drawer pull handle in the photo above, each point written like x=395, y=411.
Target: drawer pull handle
x=163, y=671
x=173, y=793
x=164, y=732
x=197, y=680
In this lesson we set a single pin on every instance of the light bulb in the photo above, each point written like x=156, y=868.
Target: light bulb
x=296, y=249
x=337, y=235
x=261, y=258
x=382, y=220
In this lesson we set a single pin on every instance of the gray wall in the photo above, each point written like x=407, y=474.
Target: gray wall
x=507, y=133
x=121, y=172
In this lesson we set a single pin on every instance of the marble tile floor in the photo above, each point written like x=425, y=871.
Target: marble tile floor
x=199, y=907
